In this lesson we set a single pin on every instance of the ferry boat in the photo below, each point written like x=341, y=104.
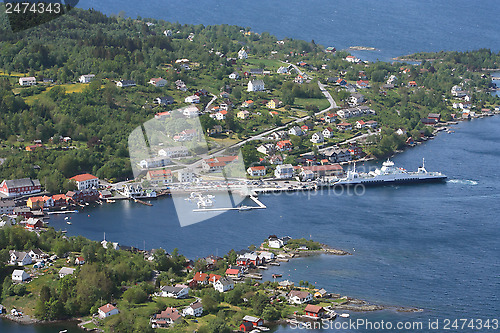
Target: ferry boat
x=389, y=174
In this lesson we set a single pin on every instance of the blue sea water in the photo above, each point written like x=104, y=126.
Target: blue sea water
x=430, y=246
x=394, y=27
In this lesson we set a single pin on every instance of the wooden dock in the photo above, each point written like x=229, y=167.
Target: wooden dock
x=260, y=205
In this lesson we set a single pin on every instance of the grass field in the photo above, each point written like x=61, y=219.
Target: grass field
x=269, y=64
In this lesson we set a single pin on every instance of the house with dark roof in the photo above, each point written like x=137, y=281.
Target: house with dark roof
x=126, y=83
x=166, y=318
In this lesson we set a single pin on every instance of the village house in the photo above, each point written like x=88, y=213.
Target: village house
x=343, y=126
x=273, y=103
x=328, y=133
x=277, y=243
x=194, y=309
x=174, y=292
x=371, y=124
x=356, y=99
x=285, y=284
x=276, y=160
x=295, y=130
x=362, y=84
x=352, y=59
x=224, y=284
x=356, y=152
x=257, y=171
x=360, y=124
x=86, y=78
x=107, y=310
x=253, y=320
x=166, y=318
x=186, y=176
x=434, y=116
x=217, y=129
x=126, y=83
x=243, y=114
x=266, y=148
x=165, y=100
x=256, y=85
x=330, y=118
x=19, y=275
x=306, y=175
x=18, y=187
x=40, y=202
x=299, y=297
x=282, y=70
x=66, y=271
x=186, y=135
x=242, y=54
x=162, y=115
x=59, y=200
x=234, y=76
x=180, y=85
x=174, y=152
x=154, y=162
x=27, y=81
x=200, y=278
x=338, y=155
x=19, y=258
x=234, y=273
x=85, y=181
x=314, y=311
x=284, y=171
x=7, y=207
x=246, y=327
x=159, y=177
x=158, y=82
x=212, y=278
x=193, y=99
x=412, y=84
x=317, y=138
x=327, y=170
x=284, y=145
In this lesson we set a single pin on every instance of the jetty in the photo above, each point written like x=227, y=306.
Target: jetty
x=62, y=212
x=260, y=205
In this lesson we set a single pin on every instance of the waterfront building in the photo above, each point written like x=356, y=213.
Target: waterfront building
x=7, y=207
x=85, y=181
x=257, y=171
x=253, y=320
x=233, y=272
x=314, y=311
x=18, y=187
x=299, y=297
x=284, y=171
x=107, y=310
x=159, y=177
x=186, y=176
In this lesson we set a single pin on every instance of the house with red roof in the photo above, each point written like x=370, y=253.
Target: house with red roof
x=246, y=327
x=412, y=84
x=158, y=82
x=343, y=126
x=166, y=318
x=284, y=145
x=59, y=200
x=314, y=311
x=107, y=310
x=79, y=261
x=200, y=278
x=257, y=171
x=85, y=181
x=161, y=176
x=233, y=272
x=362, y=84
x=360, y=124
x=212, y=278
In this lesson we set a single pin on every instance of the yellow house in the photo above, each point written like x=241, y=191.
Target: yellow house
x=273, y=104
x=243, y=114
x=39, y=202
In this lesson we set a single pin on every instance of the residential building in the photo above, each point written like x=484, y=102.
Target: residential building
x=19, y=187
x=27, y=81
x=107, y=310
x=360, y=124
x=242, y=54
x=371, y=124
x=284, y=171
x=343, y=126
x=284, y=145
x=356, y=99
x=200, y=278
x=314, y=311
x=299, y=297
x=317, y=138
x=186, y=176
x=19, y=258
x=243, y=114
x=180, y=85
x=19, y=275
x=256, y=85
x=194, y=309
x=306, y=175
x=166, y=318
x=276, y=160
x=174, y=152
x=154, y=162
x=247, y=104
x=257, y=171
x=159, y=177
x=158, y=82
x=338, y=155
x=66, y=271
x=85, y=181
x=174, y=292
x=186, y=135
x=233, y=273
x=193, y=99
x=253, y=320
x=234, y=76
x=224, y=284
x=246, y=327
x=126, y=83
x=273, y=103
x=282, y=70
x=352, y=59
x=165, y=100
x=86, y=78
x=33, y=224
x=328, y=133
x=295, y=130
x=7, y=207
x=321, y=293
x=330, y=118
x=327, y=170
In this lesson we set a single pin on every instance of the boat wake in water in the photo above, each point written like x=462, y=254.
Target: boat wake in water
x=463, y=182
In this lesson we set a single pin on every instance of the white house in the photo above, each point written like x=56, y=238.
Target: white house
x=257, y=171
x=282, y=70
x=193, y=99
x=174, y=292
x=37, y=254
x=284, y=171
x=299, y=297
x=154, y=162
x=295, y=130
x=242, y=54
x=86, y=78
x=27, y=81
x=19, y=258
x=234, y=76
x=126, y=83
x=66, y=271
x=327, y=132
x=174, y=152
x=107, y=310
x=20, y=275
x=185, y=176
x=266, y=149
x=356, y=99
x=224, y=284
x=191, y=111
x=360, y=124
x=317, y=138
x=85, y=181
x=194, y=309
x=256, y=85
x=158, y=82
x=276, y=243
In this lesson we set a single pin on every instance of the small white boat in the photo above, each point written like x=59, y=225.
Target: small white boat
x=63, y=331
x=344, y=315
x=243, y=208
x=68, y=222
x=66, y=218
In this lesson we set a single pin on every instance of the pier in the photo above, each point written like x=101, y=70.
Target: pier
x=260, y=205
